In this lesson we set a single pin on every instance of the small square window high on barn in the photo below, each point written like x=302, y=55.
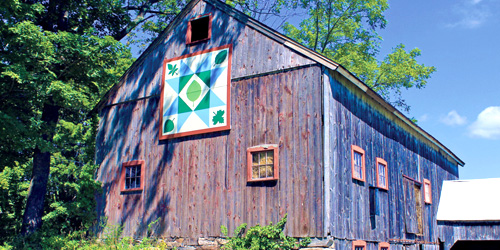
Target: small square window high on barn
x=262, y=163
x=132, y=176
x=199, y=29
x=358, y=163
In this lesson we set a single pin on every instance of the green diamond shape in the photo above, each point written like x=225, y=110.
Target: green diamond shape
x=183, y=80
x=205, y=102
x=183, y=107
x=205, y=77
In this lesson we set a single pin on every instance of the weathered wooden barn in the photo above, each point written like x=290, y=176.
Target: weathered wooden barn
x=223, y=120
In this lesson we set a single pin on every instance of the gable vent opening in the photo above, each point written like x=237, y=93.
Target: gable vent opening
x=199, y=29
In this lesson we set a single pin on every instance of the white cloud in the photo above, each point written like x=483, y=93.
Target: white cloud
x=453, y=119
x=487, y=124
x=470, y=14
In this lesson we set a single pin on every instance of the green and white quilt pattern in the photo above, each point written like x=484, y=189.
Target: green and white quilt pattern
x=195, y=93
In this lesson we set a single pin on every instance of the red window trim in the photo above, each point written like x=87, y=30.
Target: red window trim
x=358, y=149
x=122, y=175
x=383, y=162
x=384, y=244
x=275, y=164
x=427, y=201
x=189, y=32
x=358, y=243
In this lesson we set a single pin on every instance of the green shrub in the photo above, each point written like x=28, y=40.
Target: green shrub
x=259, y=237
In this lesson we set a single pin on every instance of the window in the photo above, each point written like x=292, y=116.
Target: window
x=427, y=191
x=359, y=245
x=358, y=163
x=382, y=179
x=132, y=176
x=383, y=246
x=199, y=29
x=262, y=163
x=413, y=206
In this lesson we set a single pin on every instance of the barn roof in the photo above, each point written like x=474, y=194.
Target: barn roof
x=470, y=200
x=298, y=48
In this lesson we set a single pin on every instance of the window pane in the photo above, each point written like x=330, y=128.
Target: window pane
x=133, y=171
x=270, y=171
x=138, y=183
x=262, y=158
x=270, y=157
x=262, y=171
x=358, y=169
x=127, y=183
x=381, y=175
x=255, y=172
x=427, y=190
x=138, y=171
x=359, y=247
x=255, y=159
x=127, y=172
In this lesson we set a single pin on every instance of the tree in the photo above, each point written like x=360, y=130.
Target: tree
x=55, y=63
x=57, y=58
x=346, y=32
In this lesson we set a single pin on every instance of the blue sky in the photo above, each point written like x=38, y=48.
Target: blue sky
x=461, y=104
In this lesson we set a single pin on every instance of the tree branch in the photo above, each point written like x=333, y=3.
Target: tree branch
x=334, y=25
x=143, y=10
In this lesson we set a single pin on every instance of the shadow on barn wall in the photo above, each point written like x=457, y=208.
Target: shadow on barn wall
x=129, y=130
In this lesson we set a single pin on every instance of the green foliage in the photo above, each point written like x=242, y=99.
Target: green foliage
x=67, y=64
x=79, y=240
x=346, y=32
x=262, y=237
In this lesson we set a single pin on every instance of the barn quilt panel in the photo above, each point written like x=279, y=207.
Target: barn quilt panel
x=196, y=93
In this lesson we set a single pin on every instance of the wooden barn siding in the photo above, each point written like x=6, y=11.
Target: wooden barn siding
x=353, y=121
x=253, y=53
x=195, y=184
x=469, y=231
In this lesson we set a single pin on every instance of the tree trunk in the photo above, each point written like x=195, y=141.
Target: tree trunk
x=32, y=218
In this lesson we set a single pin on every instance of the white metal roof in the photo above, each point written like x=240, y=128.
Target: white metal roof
x=470, y=200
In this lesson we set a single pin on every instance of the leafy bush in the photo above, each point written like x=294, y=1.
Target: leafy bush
x=259, y=237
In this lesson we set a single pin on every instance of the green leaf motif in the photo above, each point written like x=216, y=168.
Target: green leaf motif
x=218, y=117
x=172, y=69
x=169, y=126
x=221, y=57
x=193, y=91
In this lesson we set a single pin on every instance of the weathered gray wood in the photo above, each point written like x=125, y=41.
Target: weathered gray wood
x=196, y=184
x=356, y=120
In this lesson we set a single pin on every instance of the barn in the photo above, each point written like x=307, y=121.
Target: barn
x=223, y=121
x=469, y=210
